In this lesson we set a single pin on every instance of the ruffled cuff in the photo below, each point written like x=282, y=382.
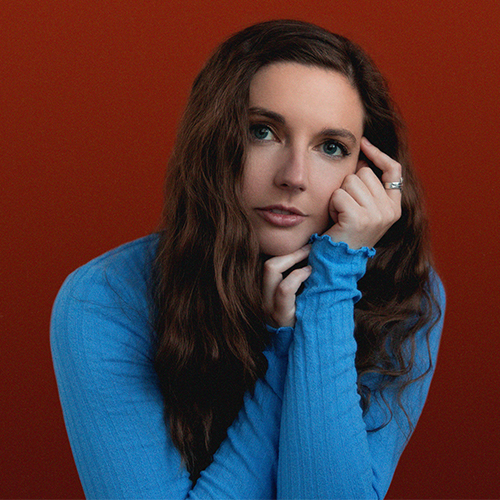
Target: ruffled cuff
x=335, y=265
x=369, y=252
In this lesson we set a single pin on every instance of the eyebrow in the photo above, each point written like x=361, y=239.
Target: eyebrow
x=272, y=115
x=268, y=114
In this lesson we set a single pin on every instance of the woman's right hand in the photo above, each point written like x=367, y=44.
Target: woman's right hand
x=280, y=289
x=361, y=208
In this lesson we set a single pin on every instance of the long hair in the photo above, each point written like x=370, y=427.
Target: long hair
x=208, y=303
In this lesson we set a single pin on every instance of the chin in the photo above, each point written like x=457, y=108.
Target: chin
x=275, y=247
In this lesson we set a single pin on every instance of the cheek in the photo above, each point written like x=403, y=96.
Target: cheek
x=246, y=179
x=326, y=185
x=255, y=176
x=320, y=208
x=249, y=187
x=324, y=213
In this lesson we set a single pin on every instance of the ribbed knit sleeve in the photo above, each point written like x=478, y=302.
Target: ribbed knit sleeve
x=301, y=434
x=102, y=348
x=325, y=449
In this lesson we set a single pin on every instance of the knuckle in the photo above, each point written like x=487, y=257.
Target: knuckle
x=283, y=289
x=350, y=179
x=393, y=213
x=397, y=213
x=378, y=218
x=337, y=194
x=378, y=155
x=365, y=172
x=396, y=168
x=269, y=266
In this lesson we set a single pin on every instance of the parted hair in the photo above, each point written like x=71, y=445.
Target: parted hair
x=209, y=317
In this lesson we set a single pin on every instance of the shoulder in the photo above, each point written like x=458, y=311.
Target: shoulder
x=436, y=286
x=437, y=295
x=103, y=309
x=124, y=271
x=131, y=259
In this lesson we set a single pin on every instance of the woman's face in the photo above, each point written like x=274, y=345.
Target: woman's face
x=306, y=124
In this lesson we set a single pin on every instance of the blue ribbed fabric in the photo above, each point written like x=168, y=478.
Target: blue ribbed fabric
x=301, y=434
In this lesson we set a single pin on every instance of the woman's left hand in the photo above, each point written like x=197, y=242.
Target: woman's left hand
x=361, y=208
x=280, y=292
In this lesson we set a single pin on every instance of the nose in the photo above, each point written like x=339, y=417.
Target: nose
x=292, y=173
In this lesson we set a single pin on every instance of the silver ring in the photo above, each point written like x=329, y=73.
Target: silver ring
x=394, y=185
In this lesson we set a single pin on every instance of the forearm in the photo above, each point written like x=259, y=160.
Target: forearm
x=245, y=466
x=114, y=413
x=324, y=450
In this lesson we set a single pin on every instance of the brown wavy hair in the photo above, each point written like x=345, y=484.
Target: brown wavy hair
x=208, y=304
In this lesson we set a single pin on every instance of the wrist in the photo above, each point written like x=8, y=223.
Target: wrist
x=335, y=265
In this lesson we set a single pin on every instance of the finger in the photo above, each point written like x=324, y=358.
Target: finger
x=334, y=215
x=380, y=201
x=361, y=164
x=274, y=269
x=286, y=294
x=391, y=169
x=344, y=205
x=372, y=182
x=281, y=263
x=358, y=190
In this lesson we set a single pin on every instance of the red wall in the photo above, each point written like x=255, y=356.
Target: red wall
x=90, y=93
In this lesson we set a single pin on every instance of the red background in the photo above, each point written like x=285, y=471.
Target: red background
x=91, y=92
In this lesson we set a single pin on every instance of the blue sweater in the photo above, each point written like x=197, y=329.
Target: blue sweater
x=301, y=435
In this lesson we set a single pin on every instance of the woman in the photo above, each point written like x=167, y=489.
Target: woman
x=259, y=346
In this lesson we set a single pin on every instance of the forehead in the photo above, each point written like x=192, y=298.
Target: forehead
x=307, y=93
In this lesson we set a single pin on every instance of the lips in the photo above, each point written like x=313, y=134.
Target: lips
x=281, y=216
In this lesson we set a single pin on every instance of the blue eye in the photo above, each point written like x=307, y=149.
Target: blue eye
x=334, y=149
x=261, y=132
